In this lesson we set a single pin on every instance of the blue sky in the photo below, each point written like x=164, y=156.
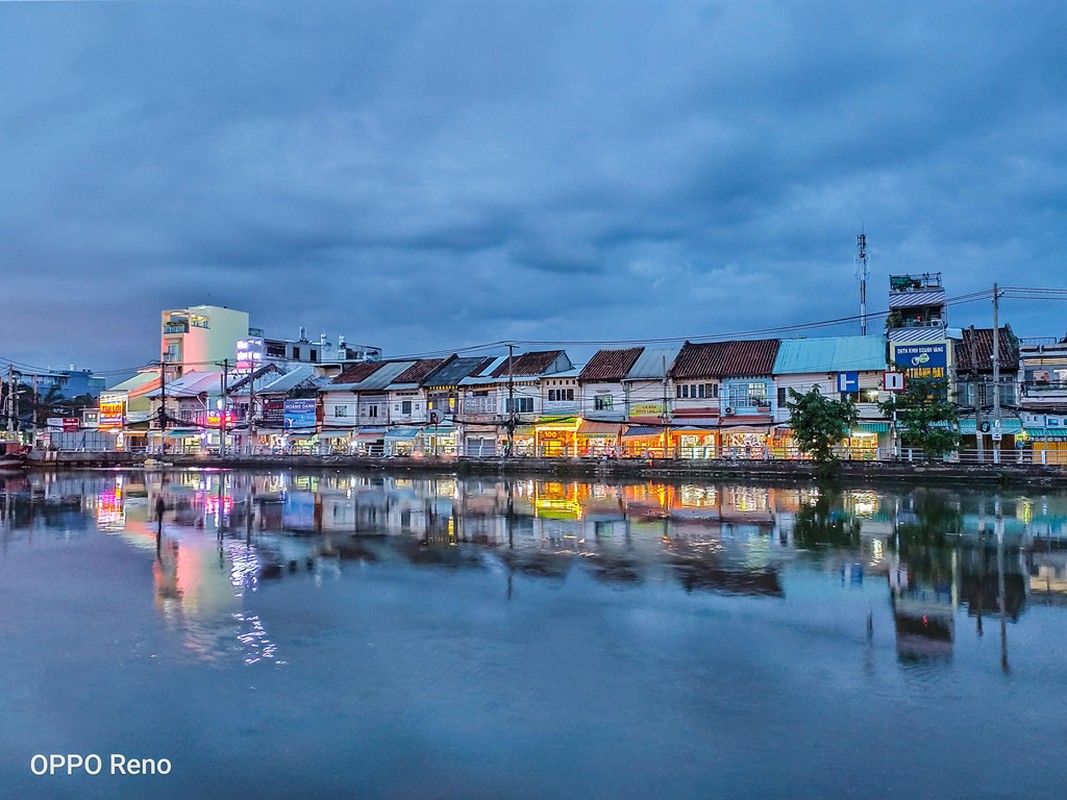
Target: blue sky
x=431, y=175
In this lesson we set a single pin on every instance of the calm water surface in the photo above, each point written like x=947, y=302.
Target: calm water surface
x=336, y=635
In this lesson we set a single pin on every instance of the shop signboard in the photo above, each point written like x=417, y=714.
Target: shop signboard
x=112, y=410
x=646, y=411
x=300, y=414
x=273, y=414
x=922, y=360
x=71, y=424
x=55, y=423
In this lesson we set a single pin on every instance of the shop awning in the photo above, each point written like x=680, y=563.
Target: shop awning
x=873, y=427
x=747, y=421
x=1047, y=433
x=335, y=434
x=1010, y=426
x=179, y=433
x=303, y=435
x=694, y=428
x=590, y=428
x=747, y=429
x=368, y=436
x=642, y=432
x=524, y=430
x=402, y=433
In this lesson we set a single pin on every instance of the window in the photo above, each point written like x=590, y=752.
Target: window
x=603, y=402
x=748, y=395
x=314, y=356
x=405, y=407
x=781, y=396
x=372, y=410
x=340, y=411
x=523, y=405
x=697, y=391
x=296, y=354
x=558, y=395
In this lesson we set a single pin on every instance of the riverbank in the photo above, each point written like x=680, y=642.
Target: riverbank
x=873, y=472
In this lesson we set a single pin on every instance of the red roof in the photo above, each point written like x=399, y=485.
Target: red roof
x=975, y=352
x=609, y=365
x=357, y=372
x=419, y=370
x=725, y=359
x=532, y=363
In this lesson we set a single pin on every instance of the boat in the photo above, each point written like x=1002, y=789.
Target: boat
x=13, y=455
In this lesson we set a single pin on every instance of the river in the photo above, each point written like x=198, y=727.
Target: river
x=335, y=635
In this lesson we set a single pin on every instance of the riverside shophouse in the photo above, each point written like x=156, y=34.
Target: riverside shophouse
x=507, y=394
x=735, y=380
x=841, y=367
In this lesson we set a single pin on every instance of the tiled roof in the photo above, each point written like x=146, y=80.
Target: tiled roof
x=451, y=372
x=723, y=359
x=532, y=363
x=419, y=370
x=975, y=352
x=357, y=372
x=609, y=365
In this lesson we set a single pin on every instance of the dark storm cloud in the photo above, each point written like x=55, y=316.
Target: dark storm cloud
x=431, y=175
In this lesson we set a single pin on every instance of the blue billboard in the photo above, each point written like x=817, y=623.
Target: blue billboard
x=922, y=360
x=300, y=414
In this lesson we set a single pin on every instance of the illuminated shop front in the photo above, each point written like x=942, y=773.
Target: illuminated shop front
x=185, y=441
x=336, y=442
x=644, y=441
x=400, y=441
x=598, y=439
x=693, y=442
x=745, y=441
x=557, y=437
x=859, y=446
x=442, y=440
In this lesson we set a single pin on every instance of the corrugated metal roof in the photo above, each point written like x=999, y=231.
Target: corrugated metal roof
x=650, y=363
x=457, y=369
x=382, y=377
x=191, y=384
x=138, y=381
x=419, y=370
x=534, y=362
x=975, y=352
x=289, y=381
x=830, y=354
x=722, y=359
x=609, y=365
x=358, y=372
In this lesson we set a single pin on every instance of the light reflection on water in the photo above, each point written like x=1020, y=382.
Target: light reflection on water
x=672, y=594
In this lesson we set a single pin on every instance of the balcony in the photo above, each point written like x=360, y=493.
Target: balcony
x=175, y=328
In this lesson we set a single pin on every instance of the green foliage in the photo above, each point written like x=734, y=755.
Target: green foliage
x=925, y=418
x=819, y=423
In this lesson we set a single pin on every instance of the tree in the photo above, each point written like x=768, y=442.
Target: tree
x=924, y=416
x=819, y=424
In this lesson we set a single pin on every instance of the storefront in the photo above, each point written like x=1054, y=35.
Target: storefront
x=335, y=442
x=694, y=442
x=480, y=441
x=184, y=441
x=1047, y=445
x=598, y=439
x=440, y=440
x=746, y=442
x=369, y=442
x=557, y=437
x=644, y=441
x=301, y=444
x=400, y=441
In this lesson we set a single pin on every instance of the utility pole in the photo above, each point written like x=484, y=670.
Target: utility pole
x=163, y=405
x=222, y=411
x=666, y=414
x=251, y=409
x=511, y=403
x=33, y=410
x=9, y=405
x=996, y=376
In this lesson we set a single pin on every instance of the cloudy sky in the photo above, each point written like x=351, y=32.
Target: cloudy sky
x=432, y=175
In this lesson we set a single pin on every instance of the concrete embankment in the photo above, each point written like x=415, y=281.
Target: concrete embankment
x=855, y=472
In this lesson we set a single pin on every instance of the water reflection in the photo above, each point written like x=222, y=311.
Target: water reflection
x=217, y=537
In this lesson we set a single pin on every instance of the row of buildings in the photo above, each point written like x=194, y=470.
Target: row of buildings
x=224, y=387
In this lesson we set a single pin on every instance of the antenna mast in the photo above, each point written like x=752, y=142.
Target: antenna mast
x=862, y=273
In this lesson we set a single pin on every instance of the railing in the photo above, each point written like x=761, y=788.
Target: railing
x=176, y=327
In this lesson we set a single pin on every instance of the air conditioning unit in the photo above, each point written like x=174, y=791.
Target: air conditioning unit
x=728, y=411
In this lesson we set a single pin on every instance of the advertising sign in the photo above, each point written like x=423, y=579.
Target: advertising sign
x=55, y=423
x=112, y=410
x=646, y=410
x=922, y=360
x=250, y=354
x=300, y=414
x=273, y=414
x=71, y=424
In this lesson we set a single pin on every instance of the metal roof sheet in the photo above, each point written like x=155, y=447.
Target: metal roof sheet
x=450, y=373
x=650, y=363
x=191, y=384
x=830, y=354
x=382, y=377
x=289, y=381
